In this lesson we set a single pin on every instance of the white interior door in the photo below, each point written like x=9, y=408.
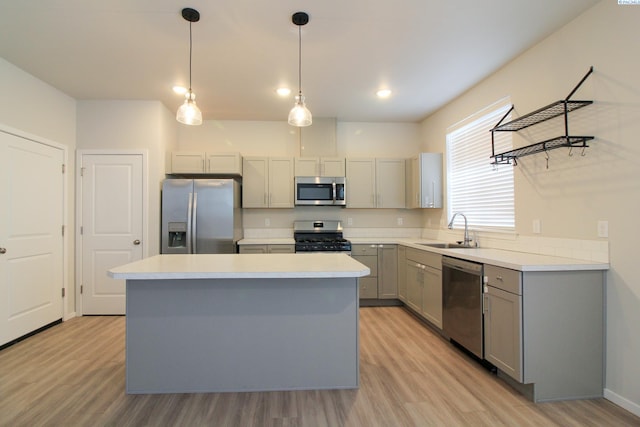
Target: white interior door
x=111, y=226
x=31, y=240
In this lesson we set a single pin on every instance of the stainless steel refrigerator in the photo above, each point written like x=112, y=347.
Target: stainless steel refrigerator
x=201, y=216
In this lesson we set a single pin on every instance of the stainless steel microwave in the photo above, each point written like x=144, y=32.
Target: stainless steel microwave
x=320, y=191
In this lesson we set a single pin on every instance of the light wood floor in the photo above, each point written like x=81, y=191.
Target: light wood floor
x=73, y=375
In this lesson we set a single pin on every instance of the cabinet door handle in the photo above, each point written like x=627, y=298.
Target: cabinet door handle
x=3, y=251
x=136, y=242
x=499, y=278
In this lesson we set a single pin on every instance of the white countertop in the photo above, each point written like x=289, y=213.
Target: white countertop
x=241, y=266
x=521, y=261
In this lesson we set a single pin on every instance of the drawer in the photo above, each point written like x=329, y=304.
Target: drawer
x=503, y=278
x=425, y=257
x=364, y=249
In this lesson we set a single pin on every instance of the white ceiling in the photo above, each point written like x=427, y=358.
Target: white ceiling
x=426, y=51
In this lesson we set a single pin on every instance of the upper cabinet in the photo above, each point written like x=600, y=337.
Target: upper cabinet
x=375, y=183
x=424, y=181
x=267, y=182
x=320, y=166
x=183, y=162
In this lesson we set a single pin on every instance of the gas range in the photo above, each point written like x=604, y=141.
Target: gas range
x=320, y=236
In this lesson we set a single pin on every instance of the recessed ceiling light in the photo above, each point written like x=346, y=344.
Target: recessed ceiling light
x=383, y=93
x=283, y=91
x=180, y=90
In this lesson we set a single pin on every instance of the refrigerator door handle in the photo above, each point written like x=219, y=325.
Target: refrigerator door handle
x=194, y=224
x=189, y=224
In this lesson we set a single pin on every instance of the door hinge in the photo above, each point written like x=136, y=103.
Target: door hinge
x=81, y=171
x=81, y=288
x=81, y=230
x=63, y=293
x=63, y=231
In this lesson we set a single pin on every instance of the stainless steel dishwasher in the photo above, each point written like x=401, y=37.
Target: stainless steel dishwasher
x=462, y=303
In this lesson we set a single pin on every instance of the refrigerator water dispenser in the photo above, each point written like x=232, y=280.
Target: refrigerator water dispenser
x=177, y=234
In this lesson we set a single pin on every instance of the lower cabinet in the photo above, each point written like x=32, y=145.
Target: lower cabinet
x=545, y=330
x=382, y=260
x=402, y=273
x=503, y=320
x=267, y=249
x=423, y=281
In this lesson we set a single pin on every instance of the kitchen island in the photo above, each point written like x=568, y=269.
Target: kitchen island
x=241, y=322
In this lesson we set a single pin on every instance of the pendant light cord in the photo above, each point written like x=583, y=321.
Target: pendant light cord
x=299, y=60
x=190, y=54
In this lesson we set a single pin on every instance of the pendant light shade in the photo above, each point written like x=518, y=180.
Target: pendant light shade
x=189, y=113
x=300, y=115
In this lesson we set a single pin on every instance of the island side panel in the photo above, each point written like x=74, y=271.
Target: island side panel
x=215, y=335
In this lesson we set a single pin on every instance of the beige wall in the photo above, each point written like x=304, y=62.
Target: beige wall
x=576, y=192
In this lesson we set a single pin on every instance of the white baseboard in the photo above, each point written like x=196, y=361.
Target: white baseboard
x=69, y=316
x=630, y=406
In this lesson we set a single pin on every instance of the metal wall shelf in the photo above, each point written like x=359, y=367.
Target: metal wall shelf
x=556, y=109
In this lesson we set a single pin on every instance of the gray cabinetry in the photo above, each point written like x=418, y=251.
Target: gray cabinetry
x=382, y=260
x=545, y=330
x=387, y=271
x=432, y=295
x=402, y=273
x=503, y=320
x=267, y=249
x=375, y=183
x=424, y=181
x=267, y=182
x=424, y=284
x=253, y=249
x=368, y=255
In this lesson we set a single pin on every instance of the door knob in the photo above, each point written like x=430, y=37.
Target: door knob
x=3, y=251
x=136, y=242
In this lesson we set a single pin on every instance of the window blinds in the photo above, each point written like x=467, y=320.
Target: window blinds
x=482, y=192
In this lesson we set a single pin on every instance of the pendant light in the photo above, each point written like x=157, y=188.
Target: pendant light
x=300, y=115
x=189, y=113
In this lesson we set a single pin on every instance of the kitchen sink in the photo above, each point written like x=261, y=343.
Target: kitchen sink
x=446, y=245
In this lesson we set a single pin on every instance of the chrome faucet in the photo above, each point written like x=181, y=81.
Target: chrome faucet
x=467, y=239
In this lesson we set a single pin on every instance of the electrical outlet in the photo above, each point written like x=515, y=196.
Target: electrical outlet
x=400, y=220
x=267, y=222
x=603, y=228
x=349, y=221
x=536, y=226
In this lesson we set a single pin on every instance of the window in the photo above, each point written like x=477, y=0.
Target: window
x=482, y=192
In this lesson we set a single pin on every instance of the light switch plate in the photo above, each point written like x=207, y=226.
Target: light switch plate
x=536, y=226
x=400, y=220
x=603, y=228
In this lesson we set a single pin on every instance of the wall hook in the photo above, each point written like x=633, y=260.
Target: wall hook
x=570, y=151
x=584, y=149
x=546, y=154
